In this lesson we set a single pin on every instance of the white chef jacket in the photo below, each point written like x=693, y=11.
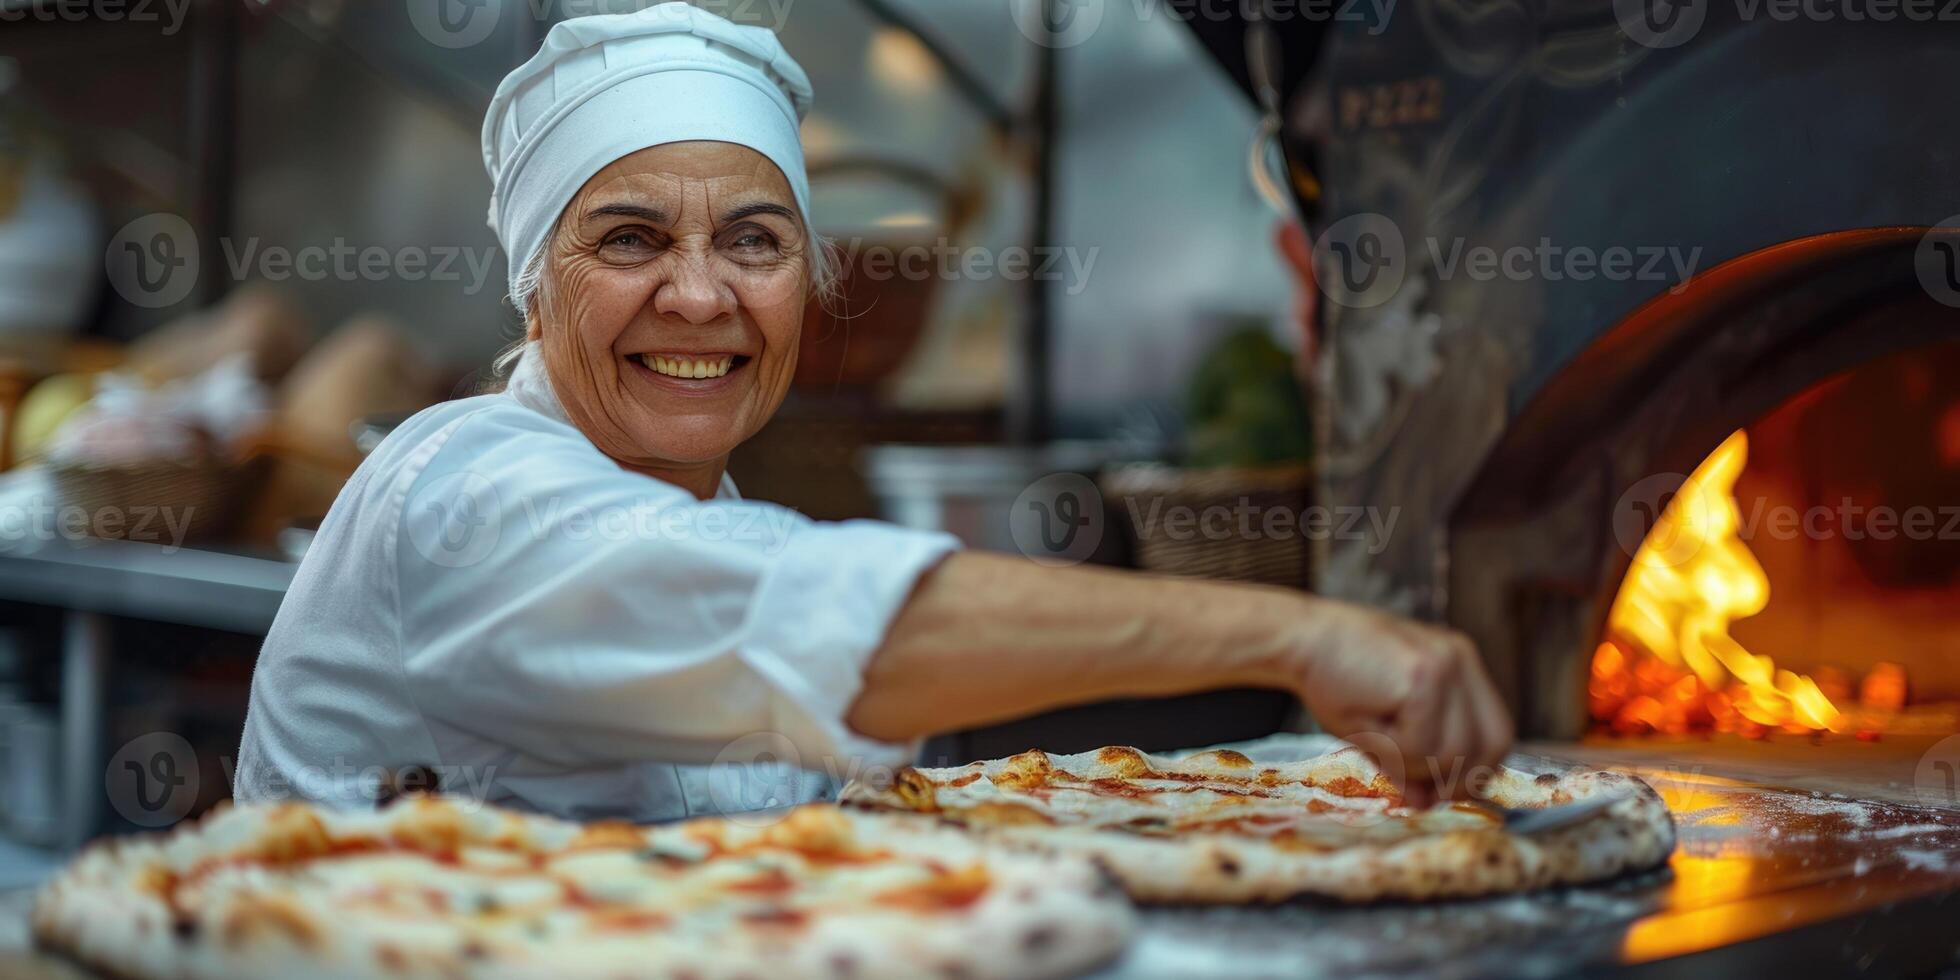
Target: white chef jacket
x=493, y=598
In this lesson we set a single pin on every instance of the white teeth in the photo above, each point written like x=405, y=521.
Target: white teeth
x=688, y=367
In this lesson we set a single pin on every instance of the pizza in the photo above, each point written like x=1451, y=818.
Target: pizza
x=433, y=887
x=1217, y=827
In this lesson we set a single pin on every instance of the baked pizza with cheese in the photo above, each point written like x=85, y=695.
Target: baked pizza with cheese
x=433, y=887
x=1218, y=827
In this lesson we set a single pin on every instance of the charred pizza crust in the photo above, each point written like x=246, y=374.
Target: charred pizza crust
x=436, y=888
x=1217, y=827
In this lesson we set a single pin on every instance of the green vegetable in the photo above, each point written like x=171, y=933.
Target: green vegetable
x=1244, y=407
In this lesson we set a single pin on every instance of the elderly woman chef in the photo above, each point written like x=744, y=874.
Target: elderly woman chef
x=554, y=597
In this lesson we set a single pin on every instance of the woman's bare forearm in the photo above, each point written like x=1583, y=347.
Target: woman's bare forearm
x=988, y=637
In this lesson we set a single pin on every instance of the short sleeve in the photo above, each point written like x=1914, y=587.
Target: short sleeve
x=580, y=613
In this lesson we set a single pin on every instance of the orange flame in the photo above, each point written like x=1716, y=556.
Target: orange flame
x=1691, y=578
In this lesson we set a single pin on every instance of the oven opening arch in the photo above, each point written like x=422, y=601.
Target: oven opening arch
x=1542, y=539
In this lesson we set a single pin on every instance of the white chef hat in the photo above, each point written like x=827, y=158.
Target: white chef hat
x=604, y=86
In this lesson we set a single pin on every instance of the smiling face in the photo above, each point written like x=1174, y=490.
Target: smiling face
x=671, y=303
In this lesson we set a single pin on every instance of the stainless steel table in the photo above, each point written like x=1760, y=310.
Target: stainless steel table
x=95, y=581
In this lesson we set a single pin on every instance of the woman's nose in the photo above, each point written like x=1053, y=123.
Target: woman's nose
x=694, y=293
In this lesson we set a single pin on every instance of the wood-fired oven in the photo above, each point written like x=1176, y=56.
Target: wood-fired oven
x=1619, y=264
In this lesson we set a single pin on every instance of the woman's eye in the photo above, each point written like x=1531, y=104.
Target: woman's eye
x=627, y=239
x=753, y=241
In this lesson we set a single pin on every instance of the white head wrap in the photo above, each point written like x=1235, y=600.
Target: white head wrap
x=605, y=86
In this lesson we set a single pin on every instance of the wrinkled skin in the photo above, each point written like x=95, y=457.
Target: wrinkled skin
x=684, y=248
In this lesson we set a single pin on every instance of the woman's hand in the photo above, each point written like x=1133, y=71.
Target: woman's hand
x=1414, y=696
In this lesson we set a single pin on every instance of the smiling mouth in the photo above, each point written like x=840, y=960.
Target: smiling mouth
x=691, y=367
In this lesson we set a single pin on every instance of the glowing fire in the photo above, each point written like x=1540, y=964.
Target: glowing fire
x=1669, y=663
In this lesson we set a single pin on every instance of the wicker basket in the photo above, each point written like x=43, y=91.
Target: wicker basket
x=1212, y=523
x=131, y=501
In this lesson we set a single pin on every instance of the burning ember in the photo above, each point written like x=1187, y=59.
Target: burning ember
x=1669, y=663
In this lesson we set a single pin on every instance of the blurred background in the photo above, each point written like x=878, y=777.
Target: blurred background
x=1626, y=341
x=241, y=240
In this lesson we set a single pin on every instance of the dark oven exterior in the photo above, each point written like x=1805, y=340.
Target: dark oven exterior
x=1764, y=191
